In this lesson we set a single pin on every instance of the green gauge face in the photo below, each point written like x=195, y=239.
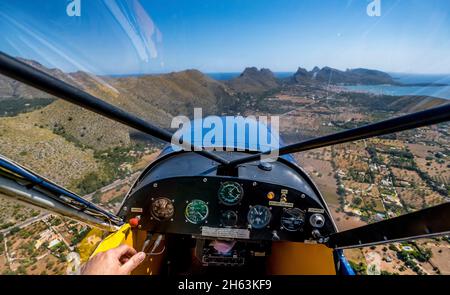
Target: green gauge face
x=196, y=211
x=230, y=193
x=259, y=216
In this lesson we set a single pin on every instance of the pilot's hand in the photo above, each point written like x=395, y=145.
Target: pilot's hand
x=119, y=261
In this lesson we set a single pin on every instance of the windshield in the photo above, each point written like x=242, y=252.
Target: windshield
x=317, y=69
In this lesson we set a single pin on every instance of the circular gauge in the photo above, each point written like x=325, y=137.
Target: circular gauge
x=196, y=211
x=229, y=218
x=259, y=216
x=162, y=208
x=292, y=219
x=230, y=193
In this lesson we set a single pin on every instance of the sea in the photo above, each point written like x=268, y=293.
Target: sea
x=441, y=91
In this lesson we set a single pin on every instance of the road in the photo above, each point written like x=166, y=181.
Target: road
x=25, y=223
x=118, y=182
x=8, y=259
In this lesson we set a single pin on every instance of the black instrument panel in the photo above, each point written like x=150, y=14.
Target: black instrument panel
x=227, y=207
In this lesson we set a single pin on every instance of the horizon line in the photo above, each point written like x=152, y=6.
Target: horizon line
x=259, y=68
x=226, y=72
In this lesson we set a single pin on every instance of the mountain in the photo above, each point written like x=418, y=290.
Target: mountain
x=11, y=89
x=60, y=139
x=156, y=98
x=302, y=75
x=44, y=152
x=253, y=80
x=351, y=76
x=176, y=93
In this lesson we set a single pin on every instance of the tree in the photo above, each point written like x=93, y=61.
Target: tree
x=341, y=191
x=14, y=230
x=357, y=201
x=360, y=268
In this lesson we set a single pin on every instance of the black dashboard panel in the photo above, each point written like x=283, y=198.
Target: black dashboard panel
x=245, y=209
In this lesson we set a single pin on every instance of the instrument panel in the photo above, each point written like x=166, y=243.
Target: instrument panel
x=227, y=208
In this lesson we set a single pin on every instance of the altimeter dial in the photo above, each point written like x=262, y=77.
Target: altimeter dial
x=230, y=193
x=162, y=208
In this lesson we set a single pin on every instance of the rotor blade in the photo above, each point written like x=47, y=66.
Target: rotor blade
x=428, y=222
x=22, y=72
x=402, y=123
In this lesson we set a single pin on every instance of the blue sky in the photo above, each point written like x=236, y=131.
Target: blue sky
x=151, y=36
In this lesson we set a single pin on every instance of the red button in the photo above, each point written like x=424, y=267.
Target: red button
x=134, y=222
